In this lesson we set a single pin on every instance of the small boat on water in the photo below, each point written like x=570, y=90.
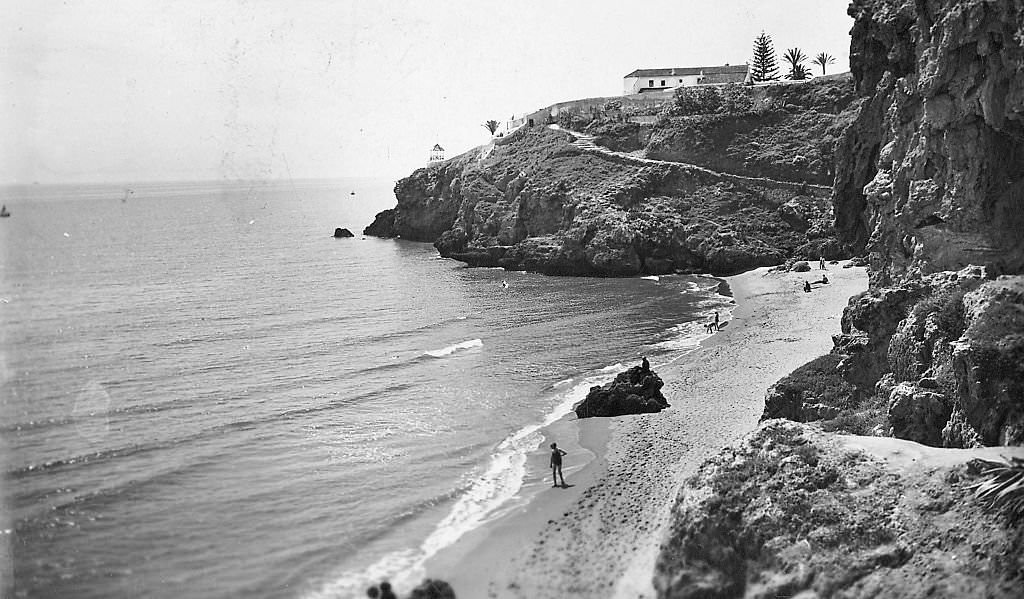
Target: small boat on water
x=3, y=211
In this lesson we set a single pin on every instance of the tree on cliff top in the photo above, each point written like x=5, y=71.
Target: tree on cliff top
x=764, y=67
x=823, y=59
x=491, y=125
x=795, y=57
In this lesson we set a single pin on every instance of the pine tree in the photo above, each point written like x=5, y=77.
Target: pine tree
x=764, y=67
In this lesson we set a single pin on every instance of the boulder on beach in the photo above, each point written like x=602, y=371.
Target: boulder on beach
x=634, y=391
x=339, y=232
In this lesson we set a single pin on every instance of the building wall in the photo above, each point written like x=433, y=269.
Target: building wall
x=636, y=85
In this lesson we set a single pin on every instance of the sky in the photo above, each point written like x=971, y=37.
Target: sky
x=141, y=90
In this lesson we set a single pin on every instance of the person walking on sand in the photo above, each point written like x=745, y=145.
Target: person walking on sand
x=716, y=321
x=556, y=465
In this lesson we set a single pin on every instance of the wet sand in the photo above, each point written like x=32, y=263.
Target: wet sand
x=600, y=537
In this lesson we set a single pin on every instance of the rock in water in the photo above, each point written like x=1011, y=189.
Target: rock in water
x=634, y=391
x=339, y=232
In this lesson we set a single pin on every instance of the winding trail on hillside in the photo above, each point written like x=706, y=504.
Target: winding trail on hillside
x=587, y=143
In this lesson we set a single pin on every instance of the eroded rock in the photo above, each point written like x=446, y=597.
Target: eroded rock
x=634, y=391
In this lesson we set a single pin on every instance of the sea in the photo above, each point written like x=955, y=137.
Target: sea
x=206, y=394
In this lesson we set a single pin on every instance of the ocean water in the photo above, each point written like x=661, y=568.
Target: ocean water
x=206, y=395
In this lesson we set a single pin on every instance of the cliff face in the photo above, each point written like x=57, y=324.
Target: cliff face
x=942, y=136
x=933, y=186
x=929, y=181
x=542, y=201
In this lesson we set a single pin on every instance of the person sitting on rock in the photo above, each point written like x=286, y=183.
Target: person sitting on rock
x=645, y=365
x=556, y=465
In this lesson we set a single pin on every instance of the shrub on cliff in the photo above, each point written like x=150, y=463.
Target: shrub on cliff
x=688, y=101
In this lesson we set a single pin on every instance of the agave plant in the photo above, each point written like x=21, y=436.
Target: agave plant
x=1003, y=489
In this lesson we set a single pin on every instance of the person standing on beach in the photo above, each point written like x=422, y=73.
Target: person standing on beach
x=556, y=465
x=716, y=321
x=821, y=263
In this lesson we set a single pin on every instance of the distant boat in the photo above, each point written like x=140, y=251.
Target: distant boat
x=351, y=193
x=3, y=211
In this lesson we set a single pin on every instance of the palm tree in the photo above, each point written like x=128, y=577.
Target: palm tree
x=823, y=59
x=795, y=57
x=491, y=125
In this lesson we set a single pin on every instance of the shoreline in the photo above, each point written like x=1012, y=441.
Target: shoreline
x=600, y=536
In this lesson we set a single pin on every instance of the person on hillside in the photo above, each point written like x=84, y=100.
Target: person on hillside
x=556, y=465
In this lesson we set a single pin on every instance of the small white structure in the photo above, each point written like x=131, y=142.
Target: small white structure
x=436, y=154
x=650, y=80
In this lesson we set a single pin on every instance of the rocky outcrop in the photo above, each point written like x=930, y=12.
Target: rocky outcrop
x=383, y=225
x=340, y=232
x=541, y=201
x=942, y=356
x=793, y=512
x=634, y=391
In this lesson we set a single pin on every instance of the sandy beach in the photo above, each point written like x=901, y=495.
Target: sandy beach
x=600, y=537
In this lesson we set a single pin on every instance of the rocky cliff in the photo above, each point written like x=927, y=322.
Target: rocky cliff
x=720, y=186
x=930, y=183
x=933, y=187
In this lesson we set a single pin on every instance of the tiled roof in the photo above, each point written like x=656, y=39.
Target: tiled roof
x=684, y=71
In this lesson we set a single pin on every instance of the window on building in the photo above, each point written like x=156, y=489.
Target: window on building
x=650, y=83
x=663, y=83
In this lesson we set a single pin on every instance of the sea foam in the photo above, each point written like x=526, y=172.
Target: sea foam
x=481, y=502
x=451, y=349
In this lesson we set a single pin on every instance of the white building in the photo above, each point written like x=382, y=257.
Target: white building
x=436, y=154
x=649, y=80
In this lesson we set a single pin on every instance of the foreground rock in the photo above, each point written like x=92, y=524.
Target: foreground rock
x=791, y=511
x=634, y=391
